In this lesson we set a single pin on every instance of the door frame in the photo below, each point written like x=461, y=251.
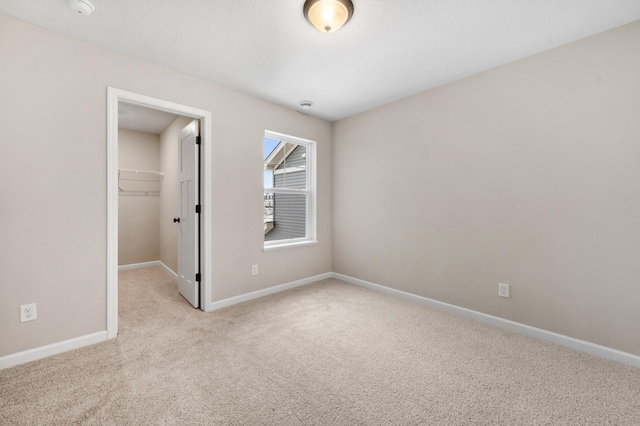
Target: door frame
x=114, y=97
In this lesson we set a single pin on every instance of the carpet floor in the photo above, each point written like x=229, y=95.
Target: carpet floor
x=328, y=353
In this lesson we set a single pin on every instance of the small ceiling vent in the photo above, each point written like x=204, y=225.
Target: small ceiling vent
x=83, y=7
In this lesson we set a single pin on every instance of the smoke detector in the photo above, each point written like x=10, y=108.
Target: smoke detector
x=305, y=104
x=83, y=7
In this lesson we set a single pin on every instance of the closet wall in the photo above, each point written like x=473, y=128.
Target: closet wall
x=138, y=204
x=148, y=204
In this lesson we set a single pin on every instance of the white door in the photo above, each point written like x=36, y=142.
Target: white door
x=188, y=237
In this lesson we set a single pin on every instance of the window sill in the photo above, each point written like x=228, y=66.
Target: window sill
x=290, y=245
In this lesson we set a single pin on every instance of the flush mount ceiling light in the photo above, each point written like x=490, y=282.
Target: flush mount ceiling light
x=328, y=15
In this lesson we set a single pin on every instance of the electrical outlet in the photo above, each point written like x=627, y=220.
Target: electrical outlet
x=28, y=312
x=503, y=290
x=254, y=270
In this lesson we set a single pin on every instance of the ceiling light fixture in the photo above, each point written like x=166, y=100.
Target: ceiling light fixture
x=328, y=15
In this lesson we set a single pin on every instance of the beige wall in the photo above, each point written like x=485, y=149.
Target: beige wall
x=53, y=182
x=528, y=174
x=138, y=237
x=169, y=194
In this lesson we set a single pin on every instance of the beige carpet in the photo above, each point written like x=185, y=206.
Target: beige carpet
x=329, y=353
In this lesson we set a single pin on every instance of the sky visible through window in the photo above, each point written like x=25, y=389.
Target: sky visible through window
x=269, y=145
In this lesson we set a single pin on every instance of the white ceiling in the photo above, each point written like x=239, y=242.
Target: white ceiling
x=388, y=51
x=142, y=119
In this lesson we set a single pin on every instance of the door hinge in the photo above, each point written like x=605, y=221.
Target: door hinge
x=198, y=277
x=198, y=209
x=197, y=140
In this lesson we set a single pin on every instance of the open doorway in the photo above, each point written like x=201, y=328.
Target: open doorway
x=149, y=185
x=158, y=187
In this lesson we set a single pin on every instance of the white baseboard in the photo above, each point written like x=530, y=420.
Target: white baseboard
x=56, y=348
x=52, y=349
x=168, y=270
x=267, y=291
x=147, y=264
x=138, y=265
x=580, y=345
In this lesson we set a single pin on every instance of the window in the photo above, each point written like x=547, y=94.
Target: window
x=289, y=191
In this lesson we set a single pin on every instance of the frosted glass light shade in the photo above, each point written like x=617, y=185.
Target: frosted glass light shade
x=328, y=16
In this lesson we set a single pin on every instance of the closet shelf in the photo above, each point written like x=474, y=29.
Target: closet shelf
x=139, y=182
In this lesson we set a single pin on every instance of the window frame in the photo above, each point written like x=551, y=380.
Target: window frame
x=309, y=192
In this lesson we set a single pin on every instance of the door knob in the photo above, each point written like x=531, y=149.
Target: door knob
x=176, y=219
